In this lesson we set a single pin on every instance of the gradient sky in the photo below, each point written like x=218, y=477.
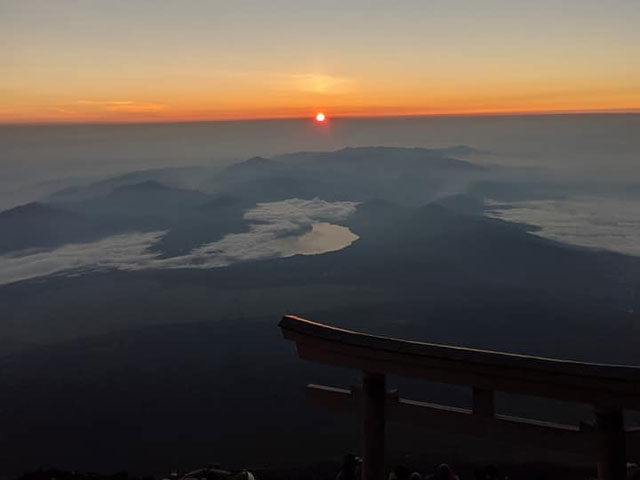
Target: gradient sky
x=141, y=60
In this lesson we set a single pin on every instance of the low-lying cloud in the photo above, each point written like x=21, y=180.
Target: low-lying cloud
x=128, y=106
x=279, y=229
x=607, y=223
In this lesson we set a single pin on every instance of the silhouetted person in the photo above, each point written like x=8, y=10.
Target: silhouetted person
x=217, y=473
x=400, y=472
x=490, y=472
x=350, y=468
x=443, y=472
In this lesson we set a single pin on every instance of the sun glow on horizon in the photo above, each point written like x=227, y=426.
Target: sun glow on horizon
x=127, y=62
x=320, y=117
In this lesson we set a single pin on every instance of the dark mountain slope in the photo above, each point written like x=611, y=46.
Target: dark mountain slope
x=207, y=223
x=159, y=399
x=190, y=217
x=38, y=225
x=403, y=254
x=182, y=395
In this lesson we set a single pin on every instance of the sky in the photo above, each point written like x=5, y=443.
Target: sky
x=158, y=60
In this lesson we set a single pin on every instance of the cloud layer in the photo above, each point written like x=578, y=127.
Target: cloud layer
x=608, y=223
x=279, y=229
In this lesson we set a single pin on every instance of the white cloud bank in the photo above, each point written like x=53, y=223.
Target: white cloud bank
x=275, y=232
x=608, y=223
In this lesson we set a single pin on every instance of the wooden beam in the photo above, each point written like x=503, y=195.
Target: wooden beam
x=611, y=387
x=373, y=425
x=483, y=403
x=536, y=433
x=607, y=385
x=612, y=460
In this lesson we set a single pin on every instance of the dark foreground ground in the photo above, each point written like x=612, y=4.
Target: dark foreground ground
x=180, y=397
x=327, y=470
x=163, y=370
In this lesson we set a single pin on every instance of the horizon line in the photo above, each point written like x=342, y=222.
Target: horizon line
x=159, y=121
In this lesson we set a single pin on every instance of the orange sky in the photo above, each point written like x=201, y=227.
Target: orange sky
x=121, y=61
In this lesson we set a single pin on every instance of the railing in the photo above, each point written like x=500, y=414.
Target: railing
x=609, y=388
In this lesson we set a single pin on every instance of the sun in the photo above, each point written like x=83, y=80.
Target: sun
x=320, y=117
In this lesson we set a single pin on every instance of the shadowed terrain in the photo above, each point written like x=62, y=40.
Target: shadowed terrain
x=174, y=367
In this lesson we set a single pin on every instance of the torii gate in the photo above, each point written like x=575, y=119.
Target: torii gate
x=609, y=388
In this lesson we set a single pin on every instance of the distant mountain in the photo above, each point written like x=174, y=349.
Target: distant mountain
x=264, y=180
x=221, y=201
x=75, y=193
x=387, y=158
x=219, y=216
x=256, y=178
x=146, y=186
x=404, y=176
x=38, y=225
x=463, y=203
x=191, y=218
x=147, y=202
x=253, y=166
x=460, y=150
x=177, y=177
x=412, y=176
x=252, y=169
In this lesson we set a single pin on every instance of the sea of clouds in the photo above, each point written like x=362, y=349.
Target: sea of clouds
x=597, y=222
x=278, y=229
